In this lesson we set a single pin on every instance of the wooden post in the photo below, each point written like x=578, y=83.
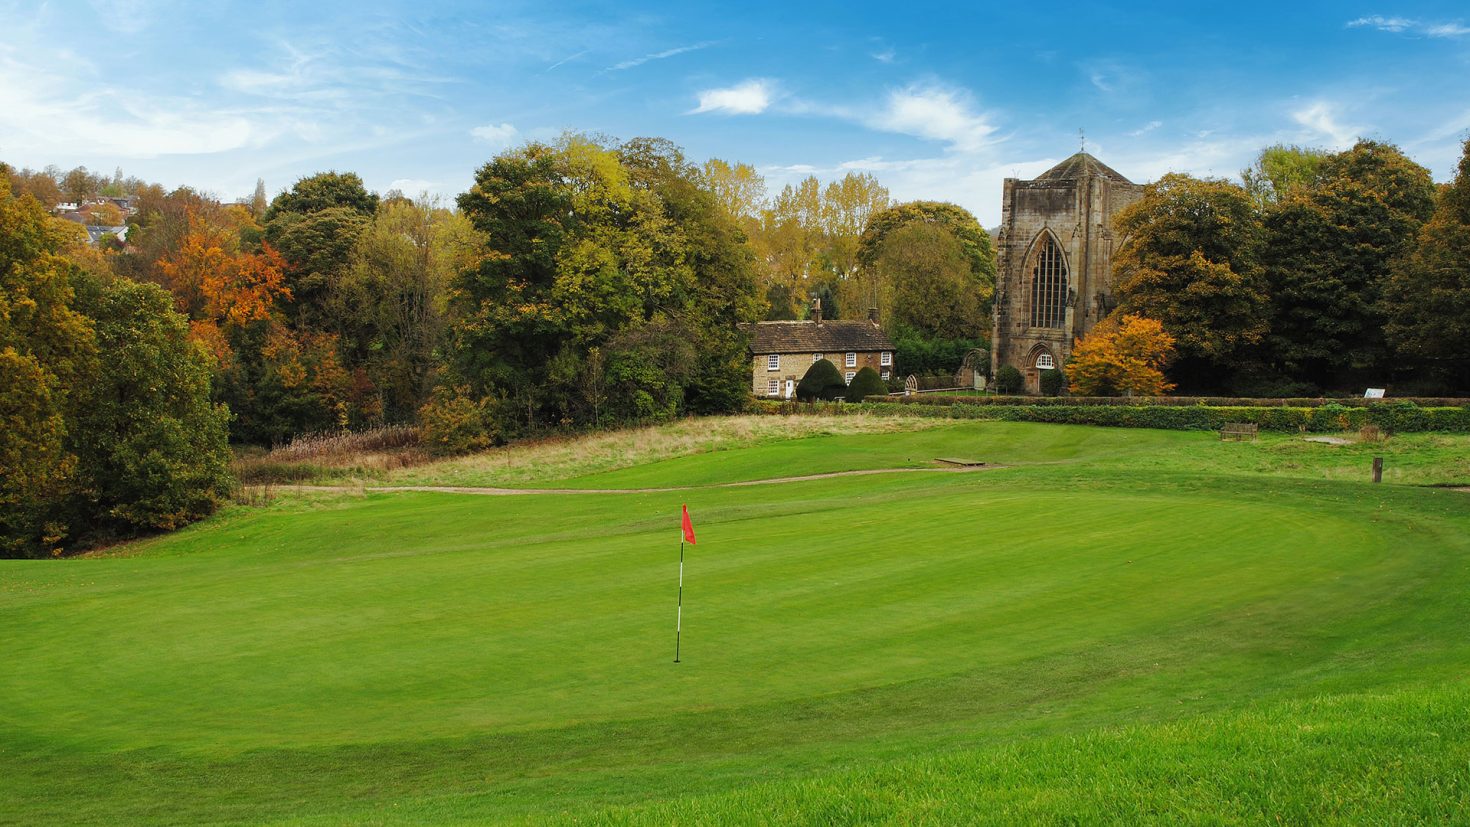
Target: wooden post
x=1378, y=469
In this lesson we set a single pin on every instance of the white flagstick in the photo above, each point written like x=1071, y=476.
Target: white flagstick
x=679, y=613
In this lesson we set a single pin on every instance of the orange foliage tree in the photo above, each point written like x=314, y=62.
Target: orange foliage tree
x=1124, y=356
x=212, y=279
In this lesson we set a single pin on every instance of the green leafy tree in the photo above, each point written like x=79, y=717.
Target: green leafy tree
x=1427, y=297
x=318, y=249
x=315, y=225
x=152, y=447
x=1329, y=249
x=724, y=290
x=933, y=287
x=878, y=276
x=821, y=381
x=1191, y=259
x=324, y=191
x=583, y=251
x=866, y=383
x=1280, y=169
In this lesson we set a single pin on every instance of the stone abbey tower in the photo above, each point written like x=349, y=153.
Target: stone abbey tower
x=1055, y=250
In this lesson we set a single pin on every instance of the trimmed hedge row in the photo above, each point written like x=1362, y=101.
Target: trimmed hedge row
x=1176, y=401
x=1392, y=417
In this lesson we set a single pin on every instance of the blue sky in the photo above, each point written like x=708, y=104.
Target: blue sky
x=938, y=100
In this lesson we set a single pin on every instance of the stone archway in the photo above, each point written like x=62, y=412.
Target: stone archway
x=1039, y=359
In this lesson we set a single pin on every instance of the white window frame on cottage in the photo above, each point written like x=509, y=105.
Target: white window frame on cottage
x=1045, y=362
x=773, y=387
x=886, y=375
x=850, y=374
x=773, y=361
x=816, y=357
x=851, y=359
x=885, y=358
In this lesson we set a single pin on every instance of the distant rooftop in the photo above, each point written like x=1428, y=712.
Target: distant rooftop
x=1081, y=166
x=830, y=336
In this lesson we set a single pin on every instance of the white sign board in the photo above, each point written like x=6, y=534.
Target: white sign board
x=1373, y=393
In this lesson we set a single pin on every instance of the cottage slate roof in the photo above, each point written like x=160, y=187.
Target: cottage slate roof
x=1081, y=166
x=834, y=336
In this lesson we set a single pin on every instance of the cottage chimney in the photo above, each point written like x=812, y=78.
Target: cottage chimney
x=817, y=310
x=873, y=315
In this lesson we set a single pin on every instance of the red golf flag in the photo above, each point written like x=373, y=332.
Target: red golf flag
x=688, y=527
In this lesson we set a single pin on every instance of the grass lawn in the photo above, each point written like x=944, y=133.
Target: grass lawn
x=1119, y=625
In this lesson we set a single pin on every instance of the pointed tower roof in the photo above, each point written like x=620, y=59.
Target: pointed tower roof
x=1081, y=166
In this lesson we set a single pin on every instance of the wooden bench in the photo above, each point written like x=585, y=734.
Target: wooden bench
x=1238, y=431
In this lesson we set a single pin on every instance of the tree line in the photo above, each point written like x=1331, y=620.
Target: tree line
x=1320, y=272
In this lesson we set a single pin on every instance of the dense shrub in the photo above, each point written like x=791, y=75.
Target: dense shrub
x=1192, y=417
x=1008, y=379
x=453, y=423
x=1187, y=401
x=822, y=381
x=1052, y=382
x=867, y=382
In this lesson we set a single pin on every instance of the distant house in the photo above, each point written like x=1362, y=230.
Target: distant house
x=127, y=203
x=782, y=352
x=95, y=233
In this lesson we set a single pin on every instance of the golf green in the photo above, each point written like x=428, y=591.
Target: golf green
x=455, y=657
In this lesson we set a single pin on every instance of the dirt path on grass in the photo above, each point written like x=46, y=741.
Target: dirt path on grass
x=510, y=492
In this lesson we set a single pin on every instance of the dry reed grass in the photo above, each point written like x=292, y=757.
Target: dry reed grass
x=331, y=455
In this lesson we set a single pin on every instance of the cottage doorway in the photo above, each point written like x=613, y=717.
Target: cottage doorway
x=790, y=388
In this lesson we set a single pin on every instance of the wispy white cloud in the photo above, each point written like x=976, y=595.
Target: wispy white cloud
x=1145, y=129
x=1322, y=118
x=566, y=60
x=1402, y=25
x=885, y=56
x=667, y=53
x=749, y=98
x=498, y=136
x=41, y=111
x=935, y=113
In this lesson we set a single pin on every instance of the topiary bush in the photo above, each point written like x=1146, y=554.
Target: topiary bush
x=866, y=383
x=1052, y=382
x=1008, y=380
x=822, y=381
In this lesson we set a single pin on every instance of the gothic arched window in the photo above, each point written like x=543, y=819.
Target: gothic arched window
x=1049, y=285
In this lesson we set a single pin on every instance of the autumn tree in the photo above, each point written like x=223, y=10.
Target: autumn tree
x=258, y=201
x=1427, y=296
x=736, y=187
x=79, y=185
x=1124, y=355
x=1192, y=261
x=392, y=299
x=47, y=349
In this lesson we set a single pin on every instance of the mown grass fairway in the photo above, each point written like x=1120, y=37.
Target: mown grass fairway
x=1109, y=628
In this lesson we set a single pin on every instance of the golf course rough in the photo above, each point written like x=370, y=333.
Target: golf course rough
x=1134, y=626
